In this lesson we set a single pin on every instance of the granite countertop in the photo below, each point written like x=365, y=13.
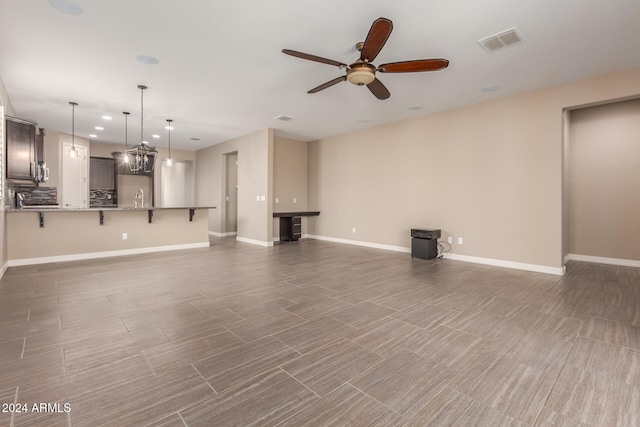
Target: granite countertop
x=45, y=208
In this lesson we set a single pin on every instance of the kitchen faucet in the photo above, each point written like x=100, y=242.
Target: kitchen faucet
x=139, y=196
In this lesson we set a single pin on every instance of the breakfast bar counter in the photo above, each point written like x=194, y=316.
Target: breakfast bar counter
x=41, y=209
x=40, y=234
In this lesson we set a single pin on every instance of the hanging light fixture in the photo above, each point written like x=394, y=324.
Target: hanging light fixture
x=73, y=151
x=142, y=157
x=169, y=127
x=126, y=139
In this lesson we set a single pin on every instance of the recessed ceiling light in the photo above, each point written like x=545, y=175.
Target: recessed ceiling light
x=147, y=59
x=106, y=117
x=415, y=108
x=66, y=6
x=194, y=138
x=490, y=88
x=93, y=136
x=283, y=118
x=99, y=128
x=155, y=136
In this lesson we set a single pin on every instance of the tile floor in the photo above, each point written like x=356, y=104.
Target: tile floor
x=316, y=334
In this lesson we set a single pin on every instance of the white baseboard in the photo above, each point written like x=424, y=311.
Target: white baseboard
x=228, y=234
x=359, y=243
x=4, y=269
x=558, y=271
x=477, y=260
x=107, y=254
x=254, y=242
x=604, y=260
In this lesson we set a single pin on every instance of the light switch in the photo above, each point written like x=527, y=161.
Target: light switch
x=277, y=201
x=295, y=200
x=257, y=198
x=263, y=198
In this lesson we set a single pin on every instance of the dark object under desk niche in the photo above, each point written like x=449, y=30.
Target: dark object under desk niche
x=291, y=224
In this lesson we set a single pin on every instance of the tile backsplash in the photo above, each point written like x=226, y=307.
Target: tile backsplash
x=102, y=198
x=32, y=195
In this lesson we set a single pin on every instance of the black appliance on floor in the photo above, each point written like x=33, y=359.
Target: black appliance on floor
x=424, y=242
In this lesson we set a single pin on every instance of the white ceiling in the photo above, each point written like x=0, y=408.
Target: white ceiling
x=221, y=72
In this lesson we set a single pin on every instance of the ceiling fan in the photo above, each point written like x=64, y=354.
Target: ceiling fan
x=363, y=72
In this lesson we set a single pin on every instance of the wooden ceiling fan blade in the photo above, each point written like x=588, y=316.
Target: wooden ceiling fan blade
x=313, y=57
x=378, y=89
x=414, y=66
x=328, y=84
x=377, y=37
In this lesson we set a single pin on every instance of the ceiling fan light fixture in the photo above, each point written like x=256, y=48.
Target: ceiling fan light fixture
x=361, y=74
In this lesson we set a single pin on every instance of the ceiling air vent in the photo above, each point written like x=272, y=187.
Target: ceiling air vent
x=283, y=118
x=501, y=40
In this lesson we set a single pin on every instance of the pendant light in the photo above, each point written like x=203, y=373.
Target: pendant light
x=142, y=157
x=169, y=127
x=73, y=152
x=126, y=132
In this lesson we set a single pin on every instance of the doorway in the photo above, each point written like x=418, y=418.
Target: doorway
x=231, y=194
x=74, y=177
x=602, y=182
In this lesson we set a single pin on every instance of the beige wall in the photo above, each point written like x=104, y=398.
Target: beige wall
x=255, y=179
x=289, y=179
x=490, y=173
x=604, y=181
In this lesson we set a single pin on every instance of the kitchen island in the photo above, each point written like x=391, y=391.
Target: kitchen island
x=37, y=234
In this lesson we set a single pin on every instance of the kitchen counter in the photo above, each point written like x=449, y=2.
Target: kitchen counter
x=46, y=208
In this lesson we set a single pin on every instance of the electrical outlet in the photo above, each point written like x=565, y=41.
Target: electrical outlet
x=450, y=240
x=295, y=200
x=460, y=240
x=353, y=230
x=277, y=200
x=124, y=236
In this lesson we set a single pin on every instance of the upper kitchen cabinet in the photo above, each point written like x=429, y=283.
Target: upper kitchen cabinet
x=25, y=150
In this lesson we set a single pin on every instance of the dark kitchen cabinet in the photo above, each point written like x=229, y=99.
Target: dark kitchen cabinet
x=102, y=173
x=21, y=145
x=291, y=224
x=290, y=228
